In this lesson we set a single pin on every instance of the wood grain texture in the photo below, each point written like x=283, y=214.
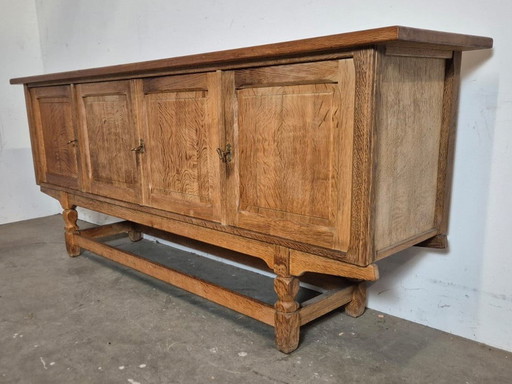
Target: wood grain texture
x=343, y=165
x=108, y=133
x=276, y=126
x=54, y=128
x=409, y=119
x=446, y=153
x=316, y=72
x=361, y=246
x=223, y=59
x=229, y=135
x=182, y=131
x=343, y=54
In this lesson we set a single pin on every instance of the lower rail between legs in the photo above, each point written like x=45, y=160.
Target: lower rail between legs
x=238, y=302
x=286, y=316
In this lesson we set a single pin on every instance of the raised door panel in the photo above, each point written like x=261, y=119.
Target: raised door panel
x=181, y=125
x=56, y=135
x=293, y=138
x=110, y=136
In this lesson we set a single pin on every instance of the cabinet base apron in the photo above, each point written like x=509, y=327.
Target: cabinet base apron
x=286, y=315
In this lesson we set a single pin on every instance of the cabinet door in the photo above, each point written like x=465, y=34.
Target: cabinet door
x=55, y=135
x=109, y=133
x=292, y=139
x=181, y=128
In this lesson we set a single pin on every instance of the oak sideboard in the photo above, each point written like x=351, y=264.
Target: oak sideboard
x=315, y=158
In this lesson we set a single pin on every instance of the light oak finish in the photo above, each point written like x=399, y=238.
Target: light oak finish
x=312, y=159
x=109, y=133
x=408, y=126
x=446, y=152
x=361, y=249
x=287, y=113
x=320, y=305
x=181, y=119
x=55, y=136
x=304, y=262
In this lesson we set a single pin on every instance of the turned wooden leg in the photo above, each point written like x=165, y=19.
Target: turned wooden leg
x=358, y=304
x=70, y=217
x=134, y=235
x=287, y=319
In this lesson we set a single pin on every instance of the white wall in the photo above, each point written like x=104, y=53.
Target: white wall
x=466, y=290
x=20, y=55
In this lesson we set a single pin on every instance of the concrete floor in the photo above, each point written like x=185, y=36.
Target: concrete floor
x=87, y=320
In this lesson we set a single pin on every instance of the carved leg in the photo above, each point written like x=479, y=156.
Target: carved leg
x=287, y=320
x=358, y=304
x=134, y=234
x=70, y=217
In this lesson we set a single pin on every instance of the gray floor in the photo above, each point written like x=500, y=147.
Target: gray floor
x=86, y=320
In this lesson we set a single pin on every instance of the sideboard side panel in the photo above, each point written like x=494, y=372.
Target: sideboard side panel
x=446, y=152
x=408, y=127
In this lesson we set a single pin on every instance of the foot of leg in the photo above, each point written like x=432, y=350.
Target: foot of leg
x=70, y=217
x=134, y=235
x=358, y=304
x=287, y=319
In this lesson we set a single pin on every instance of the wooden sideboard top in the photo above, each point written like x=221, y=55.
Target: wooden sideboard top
x=390, y=36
